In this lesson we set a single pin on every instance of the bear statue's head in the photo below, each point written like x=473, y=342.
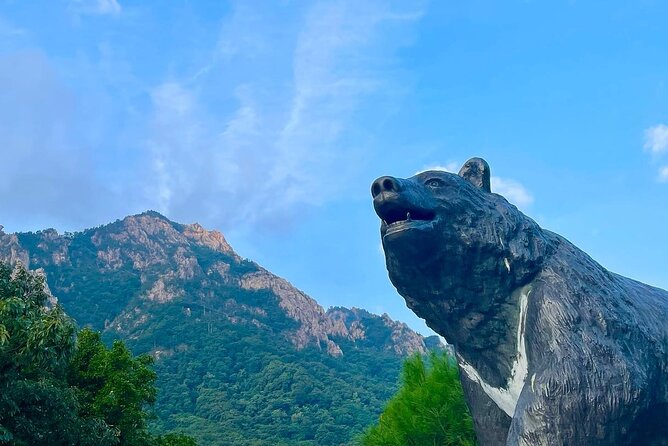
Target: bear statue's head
x=454, y=250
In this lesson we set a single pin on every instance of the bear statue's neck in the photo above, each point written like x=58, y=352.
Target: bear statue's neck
x=484, y=331
x=471, y=297
x=506, y=396
x=488, y=340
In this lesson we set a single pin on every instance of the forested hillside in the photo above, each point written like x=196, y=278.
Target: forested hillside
x=242, y=357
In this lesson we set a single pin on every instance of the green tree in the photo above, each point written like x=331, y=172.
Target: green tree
x=429, y=408
x=36, y=340
x=112, y=385
x=174, y=440
x=57, y=391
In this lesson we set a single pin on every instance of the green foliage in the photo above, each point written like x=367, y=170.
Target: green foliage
x=429, y=409
x=113, y=386
x=34, y=340
x=173, y=440
x=54, y=391
x=35, y=343
x=253, y=388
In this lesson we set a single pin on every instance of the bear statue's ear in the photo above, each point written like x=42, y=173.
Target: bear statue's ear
x=476, y=171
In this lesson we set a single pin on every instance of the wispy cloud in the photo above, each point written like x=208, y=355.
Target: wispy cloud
x=8, y=30
x=174, y=126
x=656, y=139
x=334, y=73
x=273, y=120
x=452, y=167
x=663, y=174
x=45, y=170
x=96, y=7
x=656, y=142
x=281, y=144
x=513, y=191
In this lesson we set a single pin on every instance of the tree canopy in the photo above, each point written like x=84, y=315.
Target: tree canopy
x=429, y=408
x=60, y=389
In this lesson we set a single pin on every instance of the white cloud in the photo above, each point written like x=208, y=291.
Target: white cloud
x=96, y=7
x=175, y=146
x=281, y=144
x=8, y=30
x=452, y=167
x=337, y=66
x=656, y=142
x=663, y=174
x=513, y=191
x=46, y=169
x=269, y=123
x=656, y=139
x=108, y=7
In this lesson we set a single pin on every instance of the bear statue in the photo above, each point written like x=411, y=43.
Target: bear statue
x=552, y=348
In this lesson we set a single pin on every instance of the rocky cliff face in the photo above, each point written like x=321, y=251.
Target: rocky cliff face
x=148, y=260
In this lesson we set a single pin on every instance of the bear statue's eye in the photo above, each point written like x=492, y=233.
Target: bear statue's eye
x=435, y=182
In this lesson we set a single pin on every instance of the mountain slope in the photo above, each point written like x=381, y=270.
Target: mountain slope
x=244, y=358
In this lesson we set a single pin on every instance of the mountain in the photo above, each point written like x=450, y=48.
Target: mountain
x=243, y=357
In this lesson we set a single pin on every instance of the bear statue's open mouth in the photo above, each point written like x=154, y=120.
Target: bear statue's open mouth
x=397, y=217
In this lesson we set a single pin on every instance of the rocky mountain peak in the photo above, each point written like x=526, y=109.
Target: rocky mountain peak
x=11, y=249
x=211, y=239
x=361, y=324
x=155, y=261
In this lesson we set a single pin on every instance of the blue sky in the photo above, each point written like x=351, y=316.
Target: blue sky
x=269, y=120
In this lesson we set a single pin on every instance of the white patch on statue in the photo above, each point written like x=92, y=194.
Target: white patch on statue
x=507, y=263
x=506, y=398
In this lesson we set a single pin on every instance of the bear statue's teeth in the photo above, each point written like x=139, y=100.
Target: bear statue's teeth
x=403, y=216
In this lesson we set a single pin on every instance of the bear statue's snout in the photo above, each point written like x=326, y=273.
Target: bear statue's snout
x=399, y=203
x=384, y=184
x=387, y=198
